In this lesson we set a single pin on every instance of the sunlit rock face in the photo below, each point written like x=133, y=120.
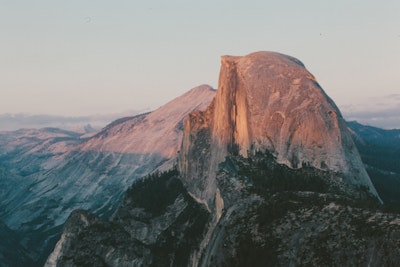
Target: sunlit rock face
x=268, y=102
x=164, y=124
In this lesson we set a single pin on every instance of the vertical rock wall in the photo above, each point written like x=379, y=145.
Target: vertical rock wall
x=268, y=101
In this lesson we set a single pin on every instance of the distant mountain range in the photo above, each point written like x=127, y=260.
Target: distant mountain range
x=81, y=124
x=385, y=115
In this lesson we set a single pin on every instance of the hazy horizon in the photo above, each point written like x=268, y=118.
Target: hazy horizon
x=79, y=58
x=383, y=114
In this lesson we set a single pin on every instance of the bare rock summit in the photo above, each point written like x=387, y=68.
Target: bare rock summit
x=268, y=101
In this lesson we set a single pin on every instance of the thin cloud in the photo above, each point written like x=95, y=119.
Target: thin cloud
x=385, y=118
x=383, y=112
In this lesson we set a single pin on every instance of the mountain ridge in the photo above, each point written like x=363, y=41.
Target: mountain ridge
x=49, y=178
x=233, y=199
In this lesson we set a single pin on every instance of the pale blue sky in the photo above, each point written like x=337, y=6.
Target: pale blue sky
x=94, y=57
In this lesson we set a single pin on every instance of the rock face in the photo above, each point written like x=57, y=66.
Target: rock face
x=268, y=102
x=267, y=175
x=48, y=173
x=164, y=124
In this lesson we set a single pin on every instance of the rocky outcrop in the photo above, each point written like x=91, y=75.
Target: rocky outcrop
x=157, y=224
x=268, y=102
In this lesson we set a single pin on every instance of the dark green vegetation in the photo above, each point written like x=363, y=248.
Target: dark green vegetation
x=268, y=176
x=11, y=251
x=155, y=192
x=272, y=216
x=94, y=238
x=302, y=218
x=148, y=204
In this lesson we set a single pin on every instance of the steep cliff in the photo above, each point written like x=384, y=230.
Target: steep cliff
x=268, y=102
